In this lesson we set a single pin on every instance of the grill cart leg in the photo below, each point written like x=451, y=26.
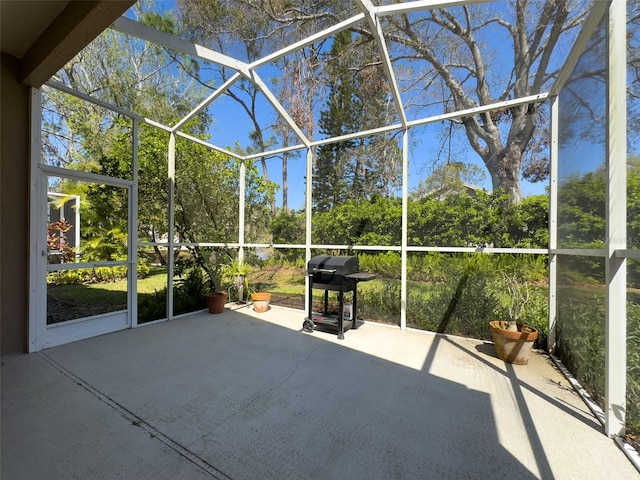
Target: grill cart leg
x=340, y=315
x=308, y=324
x=354, y=323
x=326, y=303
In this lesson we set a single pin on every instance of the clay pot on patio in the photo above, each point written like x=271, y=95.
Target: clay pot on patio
x=216, y=301
x=513, y=346
x=261, y=301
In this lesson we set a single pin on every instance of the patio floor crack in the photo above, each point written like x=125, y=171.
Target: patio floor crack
x=139, y=422
x=278, y=385
x=257, y=397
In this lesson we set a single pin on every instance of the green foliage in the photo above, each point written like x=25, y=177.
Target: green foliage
x=463, y=306
x=457, y=220
x=581, y=210
x=192, y=284
x=382, y=302
x=93, y=275
x=581, y=345
x=580, y=333
x=188, y=296
x=453, y=293
x=360, y=222
x=236, y=276
x=386, y=264
x=288, y=227
x=152, y=306
x=633, y=367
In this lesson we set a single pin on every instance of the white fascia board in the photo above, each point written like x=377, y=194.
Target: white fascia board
x=598, y=10
x=418, y=6
x=223, y=88
x=133, y=28
x=257, y=81
x=378, y=34
x=308, y=41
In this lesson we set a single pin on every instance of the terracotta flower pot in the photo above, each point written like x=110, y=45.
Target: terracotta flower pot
x=216, y=301
x=513, y=346
x=261, y=301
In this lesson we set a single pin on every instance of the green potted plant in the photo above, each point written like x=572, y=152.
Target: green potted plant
x=236, y=274
x=513, y=339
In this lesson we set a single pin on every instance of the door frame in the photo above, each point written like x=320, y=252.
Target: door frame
x=40, y=334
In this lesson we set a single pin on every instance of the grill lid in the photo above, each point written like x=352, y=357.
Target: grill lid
x=338, y=265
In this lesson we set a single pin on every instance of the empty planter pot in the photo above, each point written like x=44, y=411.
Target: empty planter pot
x=261, y=301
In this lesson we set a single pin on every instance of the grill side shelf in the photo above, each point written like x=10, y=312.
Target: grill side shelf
x=361, y=276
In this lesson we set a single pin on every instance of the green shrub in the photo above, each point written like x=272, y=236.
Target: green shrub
x=188, y=296
x=462, y=306
x=152, y=306
x=95, y=275
x=381, y=303
x=385, y=264
x=580, y=340
x=633, y=368
x=87, y=275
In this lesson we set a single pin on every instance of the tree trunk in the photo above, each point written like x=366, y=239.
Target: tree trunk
x=503, y=160
x=504, y=167
x=265, y=174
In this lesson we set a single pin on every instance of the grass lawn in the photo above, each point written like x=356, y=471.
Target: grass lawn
x=108, y=294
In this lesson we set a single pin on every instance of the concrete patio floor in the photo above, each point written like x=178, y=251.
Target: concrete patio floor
x=250, y=396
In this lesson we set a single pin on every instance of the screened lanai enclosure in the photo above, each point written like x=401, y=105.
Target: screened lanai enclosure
x=467, y=152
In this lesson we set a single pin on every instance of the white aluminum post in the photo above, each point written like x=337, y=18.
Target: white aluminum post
x=132, y=221
x=308, y=212
x=616, y=266
x=241, y=206
x=405, y=230
x=553, y=226
x=76, y=200
x=171, y=178
x=37, y=232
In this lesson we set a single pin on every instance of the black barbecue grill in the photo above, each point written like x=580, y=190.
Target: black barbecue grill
x=339, y=274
